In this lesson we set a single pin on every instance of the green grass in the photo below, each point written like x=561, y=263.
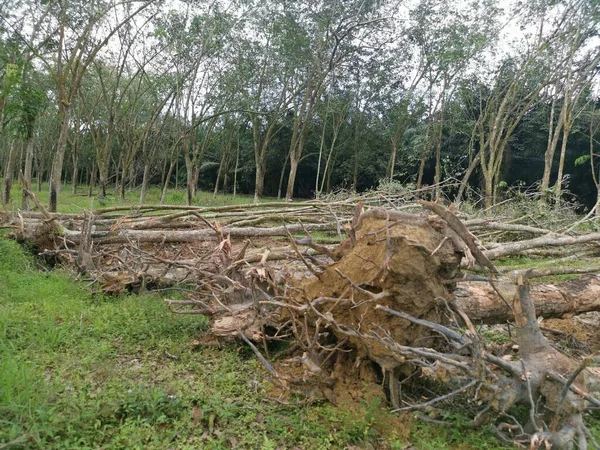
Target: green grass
x=69, y=203
x=79, y=371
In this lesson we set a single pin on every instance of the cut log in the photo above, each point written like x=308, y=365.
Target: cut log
x=483, y=304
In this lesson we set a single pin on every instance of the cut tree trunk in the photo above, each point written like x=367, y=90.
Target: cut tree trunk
x=484, y=304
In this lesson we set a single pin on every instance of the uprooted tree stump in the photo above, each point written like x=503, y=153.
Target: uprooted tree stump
x=387, y=307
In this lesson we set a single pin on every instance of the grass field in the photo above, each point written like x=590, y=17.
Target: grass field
x=69, y=203
x=84, y=371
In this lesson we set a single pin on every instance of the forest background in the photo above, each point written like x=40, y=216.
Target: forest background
x=298, y=99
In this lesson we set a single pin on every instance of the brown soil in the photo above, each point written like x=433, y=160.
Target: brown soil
x=398, y=262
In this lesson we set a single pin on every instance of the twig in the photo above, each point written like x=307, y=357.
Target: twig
x=267, y=365
x=438, y=399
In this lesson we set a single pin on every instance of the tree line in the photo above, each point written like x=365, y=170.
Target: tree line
x=282, y=98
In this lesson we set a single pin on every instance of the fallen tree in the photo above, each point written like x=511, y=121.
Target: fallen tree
x=391, y=303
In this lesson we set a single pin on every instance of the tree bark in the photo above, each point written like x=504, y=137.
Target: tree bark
x=482, y=304
x=163, y=195
x=59, y=156
x=9, y=171
x=27, y=173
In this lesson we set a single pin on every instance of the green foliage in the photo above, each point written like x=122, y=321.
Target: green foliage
x=583, y=159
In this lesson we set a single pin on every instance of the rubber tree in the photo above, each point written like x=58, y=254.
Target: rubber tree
x=319, y=39
x=84, y=29
x=579, y=57
x=263, y=81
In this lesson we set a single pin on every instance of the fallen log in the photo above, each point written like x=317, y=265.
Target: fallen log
x=123, y=236
x=486, y=304
x=514, y=248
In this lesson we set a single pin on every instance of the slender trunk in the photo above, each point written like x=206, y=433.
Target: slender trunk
x=39, y=172
x=553, y=134
x=561, y=163
x=237, y=163
x=465, y=180
x=75, y=173
x=392, y=163
x=75, y=158
x=330, y=174
x=438, y=154
x=489, y=190
x=132, y=177
x=189, y=188
x=294, y=162
x=294, y=157
x=117, y=171
x=123, y=179
x=195, y=178
x=145, y=177
x=163, y=195
x=9, y=171
x=102, y=184
x=438, y=169
x=421, y=170
x=281, y=176
x=327, y=171
x=216, y=190
x=59, y=156
x=163, y=173
x=259, y=182
x=27, y=173
x=92, y=181
x=320, y=155
x=355, y=155
x=176, y=173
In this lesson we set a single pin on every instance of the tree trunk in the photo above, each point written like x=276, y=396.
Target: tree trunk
x=438, y=153
x=553, y=135
x=75, y=174
x=27, y=173
x=294, y=162
x=421, y=170
x=144, y=182
x=488, y=190
x=483, y=305
x=216, y=190
x=9, y=171
x=195, y=178
x=259, y=181
x=465, y=180
x=92, y=183
x=281, y=176
x=355, y=148
x=237, y=163
x=561, y=162
x=122, y=184
x=163, y=195
x=392, y=163
x=59, y=156
x=189, y=182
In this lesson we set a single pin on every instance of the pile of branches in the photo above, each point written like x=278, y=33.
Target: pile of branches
x=397, y=301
